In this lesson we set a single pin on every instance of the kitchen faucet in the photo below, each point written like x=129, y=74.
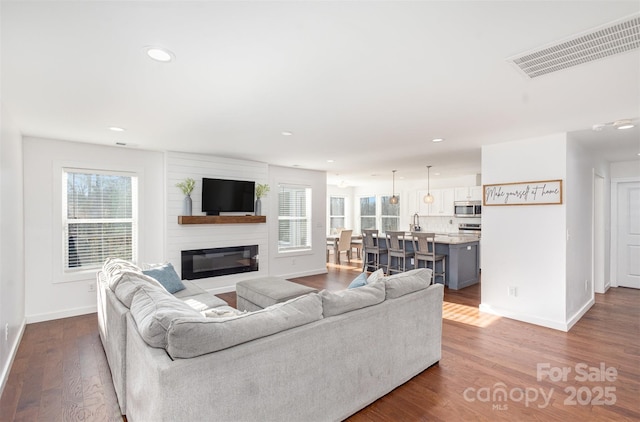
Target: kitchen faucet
x=416, y=223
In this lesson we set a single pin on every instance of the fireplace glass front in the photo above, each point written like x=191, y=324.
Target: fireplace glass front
x=204, y=263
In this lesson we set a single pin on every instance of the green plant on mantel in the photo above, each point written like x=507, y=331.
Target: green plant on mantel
x=187, y=186
x=261, y=190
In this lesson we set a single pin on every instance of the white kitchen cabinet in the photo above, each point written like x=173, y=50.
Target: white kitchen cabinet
x=468, y=193
x=442, y=203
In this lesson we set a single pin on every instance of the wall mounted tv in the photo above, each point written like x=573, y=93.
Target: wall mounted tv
x=219, y=195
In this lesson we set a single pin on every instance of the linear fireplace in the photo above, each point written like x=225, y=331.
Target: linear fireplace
x=203, y=263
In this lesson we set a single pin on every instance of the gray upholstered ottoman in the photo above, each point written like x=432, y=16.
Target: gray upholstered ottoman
x=253, y=295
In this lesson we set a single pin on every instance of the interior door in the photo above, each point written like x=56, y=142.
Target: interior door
x=628, y=266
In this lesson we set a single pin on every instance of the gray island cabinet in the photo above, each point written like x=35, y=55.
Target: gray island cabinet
x=462, y=264
x=463, y=260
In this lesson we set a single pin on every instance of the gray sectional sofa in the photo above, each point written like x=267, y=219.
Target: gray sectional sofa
x=317, y=357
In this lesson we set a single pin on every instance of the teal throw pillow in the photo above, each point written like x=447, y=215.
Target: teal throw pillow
x=359, y=281
x=167, y=276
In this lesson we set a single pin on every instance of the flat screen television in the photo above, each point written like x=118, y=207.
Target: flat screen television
x=220, y=195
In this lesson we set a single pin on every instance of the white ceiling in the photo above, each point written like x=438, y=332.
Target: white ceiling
x=367, y=84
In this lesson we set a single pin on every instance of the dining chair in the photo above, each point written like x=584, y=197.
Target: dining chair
x=357, y=245
x=342, y=244
x=424, y=247
x=371, y=245
x=397, y=249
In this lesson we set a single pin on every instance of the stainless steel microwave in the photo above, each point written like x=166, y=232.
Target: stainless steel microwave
x=467, y=208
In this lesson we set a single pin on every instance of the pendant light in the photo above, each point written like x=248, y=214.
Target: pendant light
x=394, y=199
x=428, y=198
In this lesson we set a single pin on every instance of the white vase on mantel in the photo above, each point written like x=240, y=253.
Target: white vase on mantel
x=258, y=209
x=186, y=205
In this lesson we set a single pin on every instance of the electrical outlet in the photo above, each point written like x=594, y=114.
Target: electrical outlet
x=586, y=285
x=6, y=332
x=513, y=291
x=92, y=287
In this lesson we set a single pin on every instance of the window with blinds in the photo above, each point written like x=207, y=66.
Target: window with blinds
x=99, y=218
x=389, y=215
x=336, y=213
x=367, y=212
x=294, y=218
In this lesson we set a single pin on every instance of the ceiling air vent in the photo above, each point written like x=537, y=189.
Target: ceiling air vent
x=613, y=38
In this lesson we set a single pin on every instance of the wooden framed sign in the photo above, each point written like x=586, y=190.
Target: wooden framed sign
x=544, y=192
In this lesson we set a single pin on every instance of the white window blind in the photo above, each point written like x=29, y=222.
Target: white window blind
x=99, y=218
x=294, y=218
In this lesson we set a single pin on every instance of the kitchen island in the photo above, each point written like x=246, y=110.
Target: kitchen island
x=463, y=260
x=462, y=266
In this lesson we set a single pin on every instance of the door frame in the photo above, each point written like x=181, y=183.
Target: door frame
x=598, y=235
x=613, y=258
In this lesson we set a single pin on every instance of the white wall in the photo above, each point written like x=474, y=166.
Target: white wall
x=47, y=295
x=525, y=246
x=179, y=166
x=579, y=198
x=298, y=264
x=11, y=243
x=625, y=169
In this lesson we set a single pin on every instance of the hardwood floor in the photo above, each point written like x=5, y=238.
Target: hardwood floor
x=60, y=372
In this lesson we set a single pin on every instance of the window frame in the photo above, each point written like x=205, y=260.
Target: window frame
x=308, y=248
x=332, y=216
x=80, y=273
x=396, y=217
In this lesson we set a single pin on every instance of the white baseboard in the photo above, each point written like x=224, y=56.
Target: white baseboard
x=12, y=355
x=61, y=314
x=556, y=325
x=576, y=317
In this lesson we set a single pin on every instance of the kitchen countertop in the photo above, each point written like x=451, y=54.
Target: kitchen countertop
x=453, y=238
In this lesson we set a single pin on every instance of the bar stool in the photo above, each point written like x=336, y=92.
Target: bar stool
x=424, y=248
x=397, y=249
x=372, y=247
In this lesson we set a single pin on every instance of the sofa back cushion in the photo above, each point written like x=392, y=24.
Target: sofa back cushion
x=336, y=303
x=153, y=310
x=408, y=282
x=188, y=337
x=126, y=283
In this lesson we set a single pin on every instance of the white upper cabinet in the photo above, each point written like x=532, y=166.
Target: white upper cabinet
x=468, y=193
x=442, y=202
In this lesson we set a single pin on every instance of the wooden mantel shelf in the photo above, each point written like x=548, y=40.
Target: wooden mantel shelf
x=221, y=219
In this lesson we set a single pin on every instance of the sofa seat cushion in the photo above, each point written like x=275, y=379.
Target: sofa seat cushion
x=203, y=301
x=153, y=310
x=336, y=303
x=408, y=282
x=190, y=289
x=188, y=337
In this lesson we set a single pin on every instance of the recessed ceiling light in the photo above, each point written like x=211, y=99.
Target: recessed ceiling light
x=160, y=54
x=436, y=174
x=330, y=161
x=287, y=133
x=437, y=140
x=116, y=129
